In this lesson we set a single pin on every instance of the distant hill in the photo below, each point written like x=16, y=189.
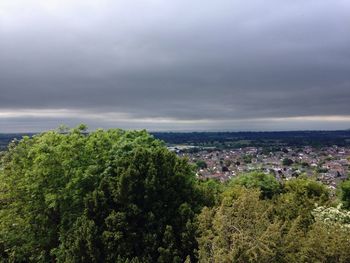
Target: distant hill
x=240, y=139
x=237, y=139
x=6, y=138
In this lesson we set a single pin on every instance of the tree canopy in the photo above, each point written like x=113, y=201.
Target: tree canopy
x=345, y=193
x=268, y=185
x=121, y=196
x=289, y=227
x=106, y=196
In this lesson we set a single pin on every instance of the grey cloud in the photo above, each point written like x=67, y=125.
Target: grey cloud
x=198, y=60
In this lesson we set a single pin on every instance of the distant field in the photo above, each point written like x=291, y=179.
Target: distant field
x=5, y=139
x=262, y=139
x=239, y=139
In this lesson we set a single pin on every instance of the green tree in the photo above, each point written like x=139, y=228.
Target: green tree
x=326, y=243
x=287, y=162
x=211, y=190
x=247, y=158
x=239, y=230
x=106, y=196
x=268, y=185
x=345, y=194
x=299, y=198
x=243, y=227
x=201, y=164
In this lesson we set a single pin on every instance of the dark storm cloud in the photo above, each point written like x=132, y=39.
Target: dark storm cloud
x=180, y=65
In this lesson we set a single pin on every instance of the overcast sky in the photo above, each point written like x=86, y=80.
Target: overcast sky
x=175, y=65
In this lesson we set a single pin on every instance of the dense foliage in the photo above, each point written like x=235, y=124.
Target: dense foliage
x=121, y=196
x=298, y=224
x=107, y=196
x=345, y=193
x=265, y=182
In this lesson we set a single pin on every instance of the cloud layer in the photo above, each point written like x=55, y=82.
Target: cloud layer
x=175, y=65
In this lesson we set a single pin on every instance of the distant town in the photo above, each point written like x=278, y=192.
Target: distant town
x=329, y=165
x=323, y=155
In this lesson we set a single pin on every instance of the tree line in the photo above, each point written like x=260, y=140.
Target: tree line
x=121, y=196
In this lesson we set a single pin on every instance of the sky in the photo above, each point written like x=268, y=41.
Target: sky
x=184, y=65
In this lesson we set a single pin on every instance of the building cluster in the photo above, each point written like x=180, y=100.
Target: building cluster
x=329, y=165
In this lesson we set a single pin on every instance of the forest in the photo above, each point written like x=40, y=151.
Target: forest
x=122, y=196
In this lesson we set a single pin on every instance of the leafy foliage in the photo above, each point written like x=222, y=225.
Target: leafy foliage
x=201, y=164
x=345, y=193
x=287, y=161
x=239, y=230
x=300, y=196
x=286, y=228
x=332, y=215
x=121, y=196
x=268, y=185
x=106, y=196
